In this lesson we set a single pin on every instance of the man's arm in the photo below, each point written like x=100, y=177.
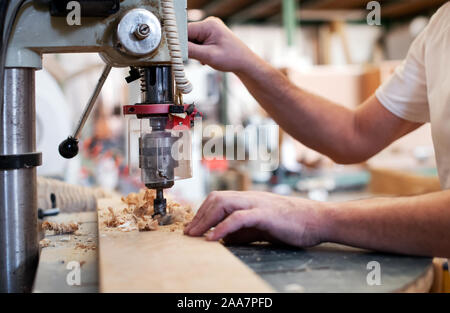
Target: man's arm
x=346, y=136
x=416, y=225
x=411, y=225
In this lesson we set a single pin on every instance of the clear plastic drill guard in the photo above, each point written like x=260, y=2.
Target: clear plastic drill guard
x=157, y=154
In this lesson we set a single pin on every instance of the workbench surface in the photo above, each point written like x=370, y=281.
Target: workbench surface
x=326, y=268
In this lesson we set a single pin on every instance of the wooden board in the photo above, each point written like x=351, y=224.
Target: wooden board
x=158, y=261
x=52, y=270
x=401, y=183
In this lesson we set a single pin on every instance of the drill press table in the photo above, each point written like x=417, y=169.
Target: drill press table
x=326, y=268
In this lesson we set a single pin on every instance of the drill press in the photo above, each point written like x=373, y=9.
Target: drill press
x=164, y=142
x=150, y=36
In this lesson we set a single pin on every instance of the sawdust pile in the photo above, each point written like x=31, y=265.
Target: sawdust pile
x=137, y=215
x=60, y=228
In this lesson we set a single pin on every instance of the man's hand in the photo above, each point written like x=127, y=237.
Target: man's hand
x=243, y=217
x=211, y=42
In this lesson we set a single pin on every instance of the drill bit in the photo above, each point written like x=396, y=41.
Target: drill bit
x=160, y=208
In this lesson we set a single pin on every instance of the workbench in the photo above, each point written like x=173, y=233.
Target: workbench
x=325, y=268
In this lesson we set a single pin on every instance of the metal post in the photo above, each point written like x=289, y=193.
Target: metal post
x=18, y=187
x=290, y=20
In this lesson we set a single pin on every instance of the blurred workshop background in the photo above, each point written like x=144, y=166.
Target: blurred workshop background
x=325, y=46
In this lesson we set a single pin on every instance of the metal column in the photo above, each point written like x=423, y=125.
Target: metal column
x=18, y=187
x=290, y=20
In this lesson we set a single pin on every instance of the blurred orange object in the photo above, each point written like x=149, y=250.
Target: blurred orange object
x=216, y=165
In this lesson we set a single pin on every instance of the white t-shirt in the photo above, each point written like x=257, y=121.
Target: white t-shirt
x=419, y=90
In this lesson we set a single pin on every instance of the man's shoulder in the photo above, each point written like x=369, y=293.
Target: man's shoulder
x=444, y=8
x=442, y=15
x=439, y=26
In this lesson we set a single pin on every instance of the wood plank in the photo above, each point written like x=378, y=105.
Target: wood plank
x=401, y=183
x=196, y=4
x=161, y=261
x=52, y=269
x=335, y=4
x=260, y=9
x=225, y=8
x=405, y=8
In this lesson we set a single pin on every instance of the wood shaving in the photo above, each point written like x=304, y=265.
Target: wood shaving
x=44, y=243
x=114, y=219
x=60, y=228
x=140, y=211
x=137, y=215
x=85, y=247
x=146, y=224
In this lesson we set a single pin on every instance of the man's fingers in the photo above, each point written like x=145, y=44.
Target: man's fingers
x=205, y=30
x=199, y=215
x=199, y=52
x=204, y=207
x=198, y=31
x=215, y=208
x=218, y=208
x=234, y=222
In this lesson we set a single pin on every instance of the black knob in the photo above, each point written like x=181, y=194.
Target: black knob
x=68, y=148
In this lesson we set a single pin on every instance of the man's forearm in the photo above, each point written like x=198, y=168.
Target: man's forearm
x=316, y=122
x=346, y=136
x=416, y=225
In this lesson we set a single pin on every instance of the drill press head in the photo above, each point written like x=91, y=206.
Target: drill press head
x=164, y=122
x=165, y=141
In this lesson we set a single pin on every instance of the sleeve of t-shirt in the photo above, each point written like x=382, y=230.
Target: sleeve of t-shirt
x=405, y=92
